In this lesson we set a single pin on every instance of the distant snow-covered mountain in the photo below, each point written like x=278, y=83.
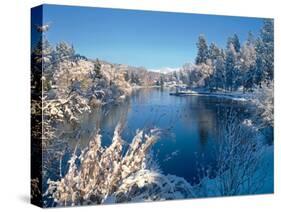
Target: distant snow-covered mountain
x=164, y=70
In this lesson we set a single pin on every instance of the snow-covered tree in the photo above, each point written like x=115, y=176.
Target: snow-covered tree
x=214, y=52
x=182, y=76
x=126, y=76
x=259, y=72
x=236, y=42
x=219, y=71
x=205, y=71
x=239, y=158
x=202, y=53
x=230, y=66
x=247, y=63
x=97, y=69
x=161, y=80
x=216, y=56
x=187, y=69
x=265, y=53
x=64, y=51
x=265, y=102
x=43, y=55
x=42, y=60
x=135, y=78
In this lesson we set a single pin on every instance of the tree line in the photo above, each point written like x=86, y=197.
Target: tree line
x=237, y=66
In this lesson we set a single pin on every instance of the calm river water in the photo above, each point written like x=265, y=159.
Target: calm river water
x=191, y=126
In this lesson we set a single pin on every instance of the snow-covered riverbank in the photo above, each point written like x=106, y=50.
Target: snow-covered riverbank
x=239, y=96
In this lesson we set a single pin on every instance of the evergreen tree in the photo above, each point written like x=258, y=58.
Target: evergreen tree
x=64, y=51
x=43, y=53
x=135, y=79
x=230, y=68
x=247, y=63
x=126, y=76
x=236, y=43
x=265, y=53
x=162, y=81
x=175, y=75
x=42, y=64
x=251, y=39
x=97, y=69
x=219, y=70
x=214, y=52
x=202, y=54
x=182, y=77
x=267, y=36
x=259, y=72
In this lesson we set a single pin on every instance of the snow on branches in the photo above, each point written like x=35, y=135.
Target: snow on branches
x=117, y=174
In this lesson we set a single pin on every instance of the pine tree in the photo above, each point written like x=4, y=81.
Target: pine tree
x=202, y=54
x=64, y=51
x=219, y=70
x=135, y=78
x=236, y=43
x=43, y=53
x=251, y=38
x=259, y=72
x=42, y=60
x=97, y=69
x=247, y=63
x=214, y=54
x=230, y=68
x=265, y=53
x=162, y=81
x=126, y=76
x=267, y=36
x=182, y=77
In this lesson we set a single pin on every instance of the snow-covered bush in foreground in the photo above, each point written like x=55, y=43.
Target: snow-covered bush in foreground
x=265, y=102
x=241, y=166
x=117, y=174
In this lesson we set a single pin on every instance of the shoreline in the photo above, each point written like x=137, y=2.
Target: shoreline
x=232, y=96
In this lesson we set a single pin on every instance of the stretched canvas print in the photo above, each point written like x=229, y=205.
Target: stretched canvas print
x=137, y=106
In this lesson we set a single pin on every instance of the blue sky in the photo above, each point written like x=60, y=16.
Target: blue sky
x=141, y=38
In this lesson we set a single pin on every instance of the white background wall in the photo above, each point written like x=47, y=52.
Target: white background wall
x=14, y=102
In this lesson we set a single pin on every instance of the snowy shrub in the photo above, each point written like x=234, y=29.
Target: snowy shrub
x=265, y=102
x=116, y=174
x=239, y=160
